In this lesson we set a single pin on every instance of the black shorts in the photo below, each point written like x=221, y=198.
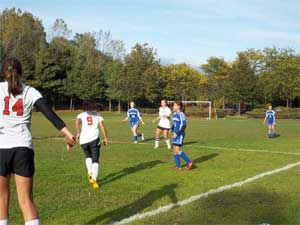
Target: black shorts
x=92, y=150
x=163, y=128
x=18, y=160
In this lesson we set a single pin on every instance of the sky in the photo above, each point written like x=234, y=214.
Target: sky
x=188, y=31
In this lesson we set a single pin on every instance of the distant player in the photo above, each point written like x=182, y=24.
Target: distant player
x=87, y=126
x=271, y=118
x=134, y=117
x=163, y=124
x=178, y=129
x=16, y=148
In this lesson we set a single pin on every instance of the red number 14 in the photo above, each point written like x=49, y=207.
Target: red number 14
x=17, y=107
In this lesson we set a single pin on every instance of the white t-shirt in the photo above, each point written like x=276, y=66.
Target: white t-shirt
x=164, y=122
x=15, y=116
x=89, y=126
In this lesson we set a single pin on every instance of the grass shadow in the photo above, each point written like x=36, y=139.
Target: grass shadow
x=136, y=206
x=129, y=170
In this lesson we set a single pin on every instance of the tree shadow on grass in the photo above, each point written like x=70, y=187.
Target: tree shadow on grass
x=136, y=206
x=129, y=170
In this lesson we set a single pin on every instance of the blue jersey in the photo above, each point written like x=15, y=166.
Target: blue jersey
x=133, y=115
x=179, y=123
x=270, y=114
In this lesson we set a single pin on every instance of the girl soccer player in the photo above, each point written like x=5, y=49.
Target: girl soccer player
x=87, y=126
x=270, y=116
x=134, y=116
x=178, y=129
x=163, y=124
x=16, y=148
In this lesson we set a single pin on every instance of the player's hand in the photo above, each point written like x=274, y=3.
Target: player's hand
x=154, y=120
x=77, y=137
x=70, y=141
x=174, y=135
x=105, y=141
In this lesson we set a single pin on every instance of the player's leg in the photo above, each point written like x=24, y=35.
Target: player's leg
x=166, y=137
x=23, y=166
x=157, y=135
x=269, y=130
x=134, y=132
x=176, y=149
x=4, y=198
x=88, y=160
x=182, y=154
x=273, y=130
x=95, y=151
x=25, y=199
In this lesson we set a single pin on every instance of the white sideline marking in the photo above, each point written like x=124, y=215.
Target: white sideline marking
x=245, y=149
x=203, y=146
x=221, y=148
x=166, y=208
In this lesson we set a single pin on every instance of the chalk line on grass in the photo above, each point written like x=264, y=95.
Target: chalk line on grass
x=193, y=198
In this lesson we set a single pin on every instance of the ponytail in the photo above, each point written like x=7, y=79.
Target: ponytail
x=11, y=71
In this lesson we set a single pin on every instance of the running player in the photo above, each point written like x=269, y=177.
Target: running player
x=163, y=124
x=134, y=117
x=178, y=129
x=16, y=149
x=87, y=126
x=270, y=116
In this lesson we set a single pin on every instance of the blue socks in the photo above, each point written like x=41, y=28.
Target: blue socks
x=135, y=138
x=177, y=160
x=184, y=157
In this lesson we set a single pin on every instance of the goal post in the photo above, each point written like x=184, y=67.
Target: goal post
x=196, y=103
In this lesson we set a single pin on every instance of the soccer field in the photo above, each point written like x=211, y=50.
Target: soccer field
x=136, y=179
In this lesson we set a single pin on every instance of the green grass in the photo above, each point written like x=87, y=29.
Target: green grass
x=136, y=178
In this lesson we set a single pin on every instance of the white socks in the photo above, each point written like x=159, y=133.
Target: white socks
x=88, y=163
x=33, y=222
x=95, y=169
x=3, y=222
x=168, y=143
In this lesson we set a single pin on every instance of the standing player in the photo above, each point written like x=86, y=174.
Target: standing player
x=134, y=116
x=270, y=116
x=178, y=129
x=16, y=149
x=163, y=124
x=87, y=126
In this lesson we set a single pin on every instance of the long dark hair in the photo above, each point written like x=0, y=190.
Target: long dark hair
x=12, y=71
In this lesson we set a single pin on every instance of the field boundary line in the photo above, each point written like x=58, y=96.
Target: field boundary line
x=193, y=198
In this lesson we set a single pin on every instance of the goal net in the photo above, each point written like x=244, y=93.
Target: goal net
x=197, y=108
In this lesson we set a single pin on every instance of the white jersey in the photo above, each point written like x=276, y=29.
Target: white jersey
x=89, y=126
x=15, y=116
x=164, y=122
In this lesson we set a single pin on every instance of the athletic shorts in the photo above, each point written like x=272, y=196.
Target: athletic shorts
x=270, y=122
x=18, y=160
x=163, y=128
x=132, y=124
x=92, y=150
x=178, y=141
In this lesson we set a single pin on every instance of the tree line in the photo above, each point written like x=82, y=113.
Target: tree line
x=94, y=66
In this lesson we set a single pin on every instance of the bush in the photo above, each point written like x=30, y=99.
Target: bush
x=148, y=111
x=281, y=113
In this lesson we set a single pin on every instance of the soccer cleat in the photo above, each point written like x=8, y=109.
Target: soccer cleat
x=135, y=142
x=95, y=185
x=177, y=168
x=156, y=147
x=90, y=177
x=189, y=166
x=143, y=137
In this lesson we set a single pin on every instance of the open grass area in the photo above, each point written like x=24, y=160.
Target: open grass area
x=135, y=178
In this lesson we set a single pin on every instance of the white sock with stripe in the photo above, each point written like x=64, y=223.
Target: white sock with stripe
x=33, y=222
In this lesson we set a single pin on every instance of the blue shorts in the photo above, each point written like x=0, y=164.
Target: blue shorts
x=178, y=141
x=270, y=122
x=132, y=124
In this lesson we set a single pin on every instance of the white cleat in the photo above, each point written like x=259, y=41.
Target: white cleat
x=135, y=142
x=156, y=147
x=143, y=137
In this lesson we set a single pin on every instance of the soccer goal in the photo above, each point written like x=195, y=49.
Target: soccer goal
x=197, y=108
